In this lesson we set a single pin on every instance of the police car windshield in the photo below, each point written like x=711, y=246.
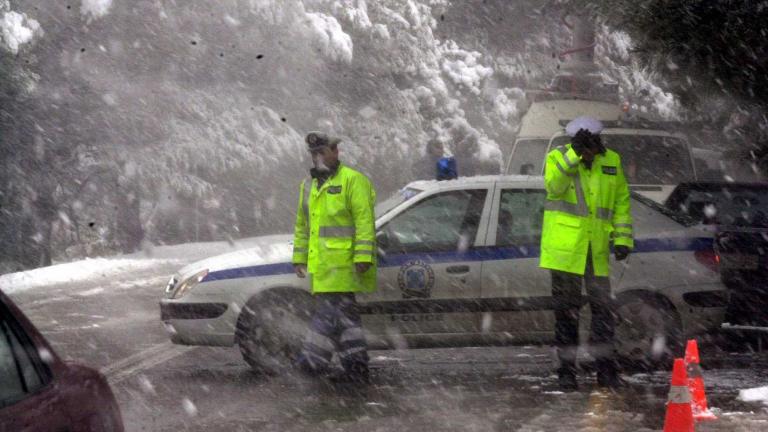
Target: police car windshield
x=528, y=157
x=395, y=200
x=648, y=159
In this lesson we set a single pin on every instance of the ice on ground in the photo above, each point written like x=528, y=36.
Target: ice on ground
x=385, y=358
x=758, y=394
x=91, y=292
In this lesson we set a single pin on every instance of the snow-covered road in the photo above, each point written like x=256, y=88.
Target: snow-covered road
x=104, y=313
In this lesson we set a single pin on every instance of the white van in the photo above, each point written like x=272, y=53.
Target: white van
x=654, y=160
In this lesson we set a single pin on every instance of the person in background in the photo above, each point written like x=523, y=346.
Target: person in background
x=465, y=149
x=425, y=168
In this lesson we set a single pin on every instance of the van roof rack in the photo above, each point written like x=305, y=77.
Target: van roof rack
x=591, y=86
x=631, y=123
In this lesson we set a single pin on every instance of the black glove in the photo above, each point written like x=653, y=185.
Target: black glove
x=621, y=252
x=579, y=144
x=596, y=144
x=584, y=140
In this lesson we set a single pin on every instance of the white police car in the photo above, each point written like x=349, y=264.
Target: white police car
x=458, y=266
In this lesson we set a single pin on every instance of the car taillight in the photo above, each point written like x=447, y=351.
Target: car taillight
x=709, y=258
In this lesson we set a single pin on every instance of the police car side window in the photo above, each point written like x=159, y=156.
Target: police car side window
x=439, y=223
x=521, y=214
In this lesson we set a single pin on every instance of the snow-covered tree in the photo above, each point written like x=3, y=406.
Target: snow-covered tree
x=177, y=121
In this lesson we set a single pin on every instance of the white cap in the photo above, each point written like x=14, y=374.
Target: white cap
x=590, y=124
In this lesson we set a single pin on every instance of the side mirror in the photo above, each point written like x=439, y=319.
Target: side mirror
x=382, y=242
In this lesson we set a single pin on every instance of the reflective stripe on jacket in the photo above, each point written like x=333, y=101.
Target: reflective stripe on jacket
x=335, y=228
x=583, y=207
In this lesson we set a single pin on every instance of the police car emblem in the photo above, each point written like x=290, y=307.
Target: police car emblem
x=416, y=279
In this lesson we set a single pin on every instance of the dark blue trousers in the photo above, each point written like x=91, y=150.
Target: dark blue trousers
x=566, y=292
x=335, y=328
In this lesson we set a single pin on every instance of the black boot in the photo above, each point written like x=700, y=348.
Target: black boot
x=358, y=374
x=608, y=376
x=566, y=379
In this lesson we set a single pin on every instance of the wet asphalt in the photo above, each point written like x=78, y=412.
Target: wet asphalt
x=162, y=387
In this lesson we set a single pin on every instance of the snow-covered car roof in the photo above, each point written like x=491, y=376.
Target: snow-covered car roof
x=522, y=180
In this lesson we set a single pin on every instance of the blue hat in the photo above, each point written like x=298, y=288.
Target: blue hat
x=590, y=124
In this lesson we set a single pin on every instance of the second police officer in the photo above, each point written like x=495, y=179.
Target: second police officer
x=587, y=209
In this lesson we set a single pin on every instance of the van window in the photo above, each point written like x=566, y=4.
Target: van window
x=648, y=159
x=528, y=157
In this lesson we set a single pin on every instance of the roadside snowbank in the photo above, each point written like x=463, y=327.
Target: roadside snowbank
x=73, y=272
x=97, y=268
x=758, y=394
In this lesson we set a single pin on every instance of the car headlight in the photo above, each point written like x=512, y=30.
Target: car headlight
x=171, y=286
x=185, y=286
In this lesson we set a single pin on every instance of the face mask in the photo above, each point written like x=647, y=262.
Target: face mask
x=320, y=165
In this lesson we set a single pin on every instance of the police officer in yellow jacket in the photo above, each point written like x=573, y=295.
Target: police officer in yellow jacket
x=334, y=244
x=587, y=209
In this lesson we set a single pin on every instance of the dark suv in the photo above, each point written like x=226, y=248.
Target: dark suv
x=738, y=213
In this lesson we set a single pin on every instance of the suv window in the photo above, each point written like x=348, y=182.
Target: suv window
x=528, y=157
x=521, y=214
x=443, y=222
x=648, y=159
x=18, y=374
x=732, y=204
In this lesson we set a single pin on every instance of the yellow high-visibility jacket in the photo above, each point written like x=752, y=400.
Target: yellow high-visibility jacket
x=335, y=228
x=584, y=207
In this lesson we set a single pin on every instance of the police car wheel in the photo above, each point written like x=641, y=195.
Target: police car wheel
x=271, y=329
x=647, y=334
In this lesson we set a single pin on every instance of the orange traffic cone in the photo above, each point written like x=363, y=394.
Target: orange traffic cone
x=679, y=416
x=696, y=383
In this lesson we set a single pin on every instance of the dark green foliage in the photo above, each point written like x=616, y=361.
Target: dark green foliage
x=701, y=46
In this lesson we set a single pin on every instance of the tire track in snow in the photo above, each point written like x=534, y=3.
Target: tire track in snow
x=158, y=354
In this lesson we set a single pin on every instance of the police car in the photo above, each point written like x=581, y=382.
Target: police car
x=458, y=266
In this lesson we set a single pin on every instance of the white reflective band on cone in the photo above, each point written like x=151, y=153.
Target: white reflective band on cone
x=694, y=371
x=679, y=395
